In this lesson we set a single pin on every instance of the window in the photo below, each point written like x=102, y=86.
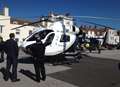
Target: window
x=17, y=31
x=73, y=28
x=1, y=28
x=30, y=32
x=49, y=39
x=44, y=33
x=15, y=22
x=41, y=34
x=32, y=38
x=65, y=38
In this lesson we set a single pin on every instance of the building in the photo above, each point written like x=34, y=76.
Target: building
x=4, y=23
x=107, y=35
x=7, y=23
x=93, y=31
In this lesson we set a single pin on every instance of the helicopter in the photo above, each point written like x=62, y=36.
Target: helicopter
x=59, y=37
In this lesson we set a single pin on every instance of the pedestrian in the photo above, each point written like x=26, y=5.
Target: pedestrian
x=1, y=49
x=38, y=51
x=92, y=45
x=11, y=49
x=98, y=46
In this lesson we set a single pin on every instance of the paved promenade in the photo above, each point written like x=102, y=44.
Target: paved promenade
x=106, y=54
x=26, y=74
x=94, y=71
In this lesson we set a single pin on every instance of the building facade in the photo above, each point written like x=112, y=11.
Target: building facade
x=110, y=36
x=7, y=23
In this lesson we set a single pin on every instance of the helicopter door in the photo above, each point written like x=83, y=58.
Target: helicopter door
x=57, y=45
x=64, y=40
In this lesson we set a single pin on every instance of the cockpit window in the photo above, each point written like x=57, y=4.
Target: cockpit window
x=65, y=38
x=49, y=39
x=41, y=34
x=32, y=38
x=73, y=28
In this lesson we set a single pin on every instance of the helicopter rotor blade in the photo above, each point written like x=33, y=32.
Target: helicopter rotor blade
x=29, y=24
x=100, y=18
x=97, y=24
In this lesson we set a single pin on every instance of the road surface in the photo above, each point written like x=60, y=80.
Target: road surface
x=99, y=70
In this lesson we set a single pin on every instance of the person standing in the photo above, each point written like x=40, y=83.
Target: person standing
x=98, y=46
x=38, y=51
x=1, y=49
x=11, y=49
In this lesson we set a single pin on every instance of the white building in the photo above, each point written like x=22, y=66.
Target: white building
x=112, y=37
x=109, y=36
x=4, y=23
x=7, y=23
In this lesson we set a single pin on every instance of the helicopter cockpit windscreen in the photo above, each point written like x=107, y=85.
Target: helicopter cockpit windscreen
x=49, y=39
x=41, y=34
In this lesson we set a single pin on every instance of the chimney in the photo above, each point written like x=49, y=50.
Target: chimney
x=6, y=11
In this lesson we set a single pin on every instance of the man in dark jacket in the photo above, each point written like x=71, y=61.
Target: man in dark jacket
x=38, y=51
x=11, y=49
x=1, y=49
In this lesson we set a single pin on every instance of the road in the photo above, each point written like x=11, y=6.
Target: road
x=94, y=70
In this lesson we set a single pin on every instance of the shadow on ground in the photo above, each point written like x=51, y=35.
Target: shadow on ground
x=26, y=60
x=52, y=60
x=29, y=74
x=91, y=72
x=3, y=71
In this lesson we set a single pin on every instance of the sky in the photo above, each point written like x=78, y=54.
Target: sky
x=99, y=8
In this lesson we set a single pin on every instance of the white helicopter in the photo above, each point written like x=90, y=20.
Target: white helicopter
x=59, y=37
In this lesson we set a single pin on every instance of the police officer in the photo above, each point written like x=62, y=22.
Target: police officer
x=11, y=49
x=38, y=51
x=1, y=49
x=98, y=46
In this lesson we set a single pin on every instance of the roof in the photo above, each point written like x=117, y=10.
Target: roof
x=19, y=21
x=96, y=30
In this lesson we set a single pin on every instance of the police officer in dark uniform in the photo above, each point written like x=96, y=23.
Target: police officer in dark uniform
x=98, y=46
x=38, y=51
x=11, y=49
x=1, y=49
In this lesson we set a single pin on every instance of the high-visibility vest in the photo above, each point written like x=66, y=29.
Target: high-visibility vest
x=87, y=45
